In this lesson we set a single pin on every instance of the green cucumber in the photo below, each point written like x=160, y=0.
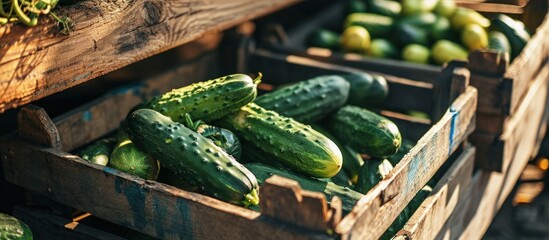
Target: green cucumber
x=99, y=151
x=323, y=38
x=127, y=158
x=405, y=147
x=355, y=6
x=382, y=48
x=365, y=131
x=12, y=228
x=366, y=89
x=416, y=53
x=377, y=25
x=309, y=100
x=407, y=34
x=348, y=197
x=514, y=30
x=441, y=29
x=444, y=51
x=410, y=7
x=221, y=137
x=193, y=157
x=341, y=179
x=371, y=173
x=293, y=144
x=207, y=100
x=351, y=159
x=499, y=42
x=385, y=7
x=421, y=20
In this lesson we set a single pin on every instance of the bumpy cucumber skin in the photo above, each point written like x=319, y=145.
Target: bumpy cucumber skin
x=307, y=101
x=291, y=143
x=365, y=131
x=12, y=228
x=207, y=100
x=99, y=152
x=348, y=196
x=371, y=173
x=193, y=157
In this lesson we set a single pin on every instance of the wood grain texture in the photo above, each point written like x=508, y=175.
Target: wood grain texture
x=37, y=62
x=492, y=7
x=431, y=217
x=381, y=205
x=45, y=225
x=35, y=125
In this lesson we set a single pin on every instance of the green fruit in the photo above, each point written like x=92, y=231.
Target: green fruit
x=406, y=146
x=99, y=151
x=285, y=140
x=127, y=158
x=421, y=20
x=410, y=7
x=366, y=89
x=409, y=34
x=307, y=101
x=474, y=37
x=497, y=41
x=371, y=173
x=377, y=25
x=221, y=137
x=416, y=53
x=365, y=131
x=441, y=29
x=514, y=30
x=193, y=157
x=381, y=48
x=355, y=6
x=348, y=197
x=445, y=8
x=207, y=101
x=355, y=39
x=464, y=16
x=12, y=228
x=323, y=38
x=445, y=51
x=385, y=7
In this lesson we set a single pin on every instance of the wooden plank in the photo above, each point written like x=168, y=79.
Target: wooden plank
x=45, y=225
x=146, y=206
x=380, y=207
x=494, y=96
x=430, y=218
x=492, y=7
x=37, y=62
x=104, y=115
x=38, y=127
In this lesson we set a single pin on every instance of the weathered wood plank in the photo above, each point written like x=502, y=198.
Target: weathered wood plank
x=36, y=62
x=433, y=213
x=389, y=197
x=104, y=115
x=492, y=7
x=45, y=225
x=36, y=126
x=147, y=206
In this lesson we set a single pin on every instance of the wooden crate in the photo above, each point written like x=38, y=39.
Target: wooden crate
x=37, y=158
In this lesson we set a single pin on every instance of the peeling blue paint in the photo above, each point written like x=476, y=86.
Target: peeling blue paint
x=187, y=232
x=87, y=116
x=453, y=123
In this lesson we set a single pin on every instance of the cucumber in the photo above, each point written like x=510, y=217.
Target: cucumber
x=98, y=152
x=307, y=101
x=341, y=179
x=385, y=7
x=290, y=143
x=323, y=38
x=382, y=48
x=12, y=228
x=377, y=25
x=421, y=20
x=348, y=197
x=514, y=30
x=221, y=137
x=366, y=89
x=207, y=100
x=193, y=157
x=355, y=6
x=371, y=173
x=351, y=159
x=499, y=42
x=445, y=8
x=365, y=131
x=445, y=51
x=355, y=39
x=463, y=16
x=410, y=7
x=406, y=146
x=127, y=158
x=408, y=34
x=441, y=29
x=474, y=37
x=416, y=53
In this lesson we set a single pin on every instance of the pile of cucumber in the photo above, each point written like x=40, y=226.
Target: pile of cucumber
x=217, y=138
x=420, y=31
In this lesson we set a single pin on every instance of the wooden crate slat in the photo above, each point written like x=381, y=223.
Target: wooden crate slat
x=150, y=207
x=433, y=213
x=492, y=7
x=411, y=174
x=36, y=62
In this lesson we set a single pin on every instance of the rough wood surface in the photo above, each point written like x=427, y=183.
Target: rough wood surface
x=45, y=225
x=147, y=206
x=36, y=126
x=492, y=7
x=381, y=205
x=104, y=115
x=430, y=218
x=36, y=62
